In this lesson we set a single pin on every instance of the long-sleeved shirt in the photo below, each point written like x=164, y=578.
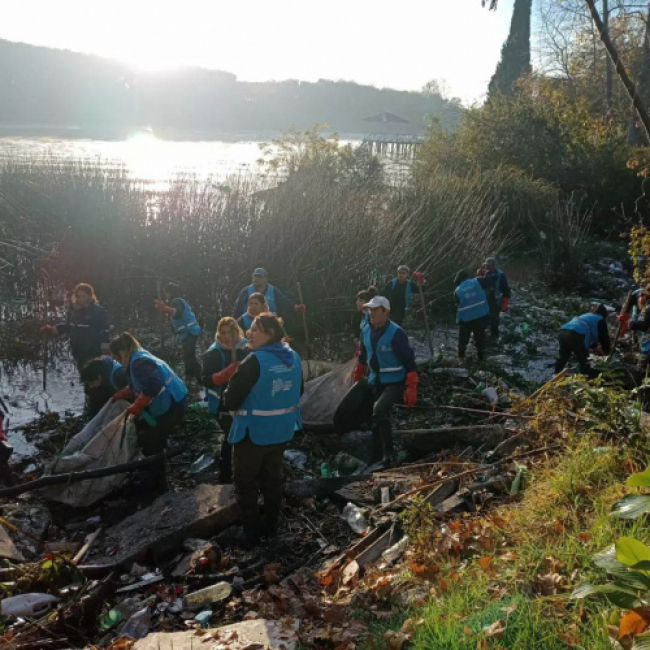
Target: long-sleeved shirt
x=500, y=281
x=147, y=375
x=397, y=297
x=284, y=304
x=642, y=322
x=487, y=282
x=242, y=382
x=401, y=348
x=88, y=330
x=213, y=361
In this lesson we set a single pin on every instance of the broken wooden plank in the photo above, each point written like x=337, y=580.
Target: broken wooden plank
x=441, y=493
x=321, y=487
x=426, y=441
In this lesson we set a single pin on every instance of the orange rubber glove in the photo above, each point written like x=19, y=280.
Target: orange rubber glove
x=624, y=320
x=140, y=404
x=223, y=377
x=418, y=276
x=164, y=309
x=504, y=304
x=598, y=351
x=480, y=273
x=125, y=393
x=411, y=393
x=359, y=371
x=301, y=307
x=48, y=330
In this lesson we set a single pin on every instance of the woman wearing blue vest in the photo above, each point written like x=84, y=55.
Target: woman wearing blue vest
x=263, y=394
x=102, y=378
x=277, y=302
x=473, y=311
x=387, y=355
x=185, y=326
x=581, y=334
x=160, y=396
x=220, y=362
x=256, y=305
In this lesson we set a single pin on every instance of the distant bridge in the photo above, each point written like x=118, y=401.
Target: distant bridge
x=393, y=145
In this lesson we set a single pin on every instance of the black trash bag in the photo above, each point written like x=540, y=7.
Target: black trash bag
x=355, y=410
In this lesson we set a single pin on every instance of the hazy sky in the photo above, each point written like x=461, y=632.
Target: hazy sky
x=401, y=44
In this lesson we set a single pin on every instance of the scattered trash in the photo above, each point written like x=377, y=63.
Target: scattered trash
x=208, y=595
x=31, y=605
x=347, y=464
x=385, y=495
x=396, y=551
x=355, y=518
x=201, y=463
x=120, y=612
x=137, y=627
x=296, y=458
x=491, y=394
x=203, y=617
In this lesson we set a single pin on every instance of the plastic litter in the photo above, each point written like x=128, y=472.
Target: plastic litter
x=120, y=612
x=355, y=518
x=192, y=544
x=203, y=617
x=202, y=462
x=137, y=627
x=393, y=553
x=296, y=458
x=347, y=464
x=208, y=595
x=31, y=605
x=325, y=470
x=491, y=394
x=385, y=495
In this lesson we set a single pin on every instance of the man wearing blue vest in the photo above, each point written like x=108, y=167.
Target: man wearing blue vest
x=277, y=302
x=632, y=308
x=185, y=326
x=473, y=312
x=641, y=323
x=400, y=292
x=102, y=378
x=581, y=334
x=386, y=354
x=498, y=294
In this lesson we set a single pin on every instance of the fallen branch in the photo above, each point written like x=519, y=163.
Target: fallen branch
x=86, y=547
x=541, y=389
x=73, y=477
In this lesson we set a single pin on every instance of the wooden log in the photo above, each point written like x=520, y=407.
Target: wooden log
x=426, y=441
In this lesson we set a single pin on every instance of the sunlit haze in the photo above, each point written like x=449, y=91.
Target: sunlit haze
x=388, y=44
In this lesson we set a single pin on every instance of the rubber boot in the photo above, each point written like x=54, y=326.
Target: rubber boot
x=388, y=450
x=225, y=464
x=377, y=446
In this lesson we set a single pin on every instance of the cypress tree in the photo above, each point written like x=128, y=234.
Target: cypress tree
x=515, y=53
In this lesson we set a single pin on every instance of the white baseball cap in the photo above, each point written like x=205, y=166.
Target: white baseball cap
x=379, y=301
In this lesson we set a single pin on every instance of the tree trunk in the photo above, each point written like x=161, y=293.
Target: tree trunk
x=608, y=76
x=634, y=133
x=637, y=102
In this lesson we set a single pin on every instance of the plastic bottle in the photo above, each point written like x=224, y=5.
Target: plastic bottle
x=120, y=612
x=525, y=329
x=385, y=495
x=27, y=605
x=325, y=470
x=355, y=518
x=201, y=463
x=205, y=597
x=137, y=627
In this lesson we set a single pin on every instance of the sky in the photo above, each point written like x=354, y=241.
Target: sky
x=399, y=44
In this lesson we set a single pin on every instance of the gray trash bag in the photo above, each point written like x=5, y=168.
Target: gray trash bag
x=323, y=395
x=103, y=442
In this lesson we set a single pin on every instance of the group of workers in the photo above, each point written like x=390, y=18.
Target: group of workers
x=253, y=378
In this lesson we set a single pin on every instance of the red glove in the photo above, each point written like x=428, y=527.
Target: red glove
x=598, y=351
x=504, y=304
x=3, y=435
x=419, y=278
x=411, y=393
x=48, y=330
x=301, y=307
x=164, y=309
x=125, y=393
x=480, y=273
x=624, y=320
x=221, y=378
x=359, y=371
x=140, y=404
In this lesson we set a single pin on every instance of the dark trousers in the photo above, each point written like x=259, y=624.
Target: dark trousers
x=225, y=453
x=258, y=469
x=572, y=343
x=192, y=365
x=385, y=396
x=465, y=331
x=96, y=398
x=495, y=316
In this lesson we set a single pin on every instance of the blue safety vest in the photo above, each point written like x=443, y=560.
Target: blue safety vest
x=269, y=295
x=587, y=325
x=391, y=369
x=635, y=306
x=173, y=387
x=247, y=321
x=186, y=324
x=270, y=413
x=112, y=366
x=365, y=320
x=213, y=394
x=473, y=301
x=408, y=291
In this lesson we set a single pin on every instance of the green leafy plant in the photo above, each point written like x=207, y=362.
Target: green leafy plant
x=632, y=506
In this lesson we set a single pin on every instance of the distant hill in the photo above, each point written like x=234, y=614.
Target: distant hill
x=43, y=87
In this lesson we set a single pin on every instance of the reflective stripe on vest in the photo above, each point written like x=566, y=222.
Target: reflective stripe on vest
x=187, y=322
x=270, y=413
x=269, y=295
x=213, y=395
x=390, y=369
x=473, y=301
x=407, y=292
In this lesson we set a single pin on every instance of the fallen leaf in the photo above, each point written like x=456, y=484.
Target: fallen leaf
x=510, y=608
x=350, y=575
x=559, y=526
x=408, y=627
x=326, y=580
x=496, y=630
x=632, y=623
x=584, y=537
x=395, y=640
x=444, y=585
x=485, y=562
x=271, y=573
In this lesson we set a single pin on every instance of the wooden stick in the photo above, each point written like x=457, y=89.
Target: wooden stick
x=73, y=477
x=426, y=320
x=304, y=325
x=86, y=547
